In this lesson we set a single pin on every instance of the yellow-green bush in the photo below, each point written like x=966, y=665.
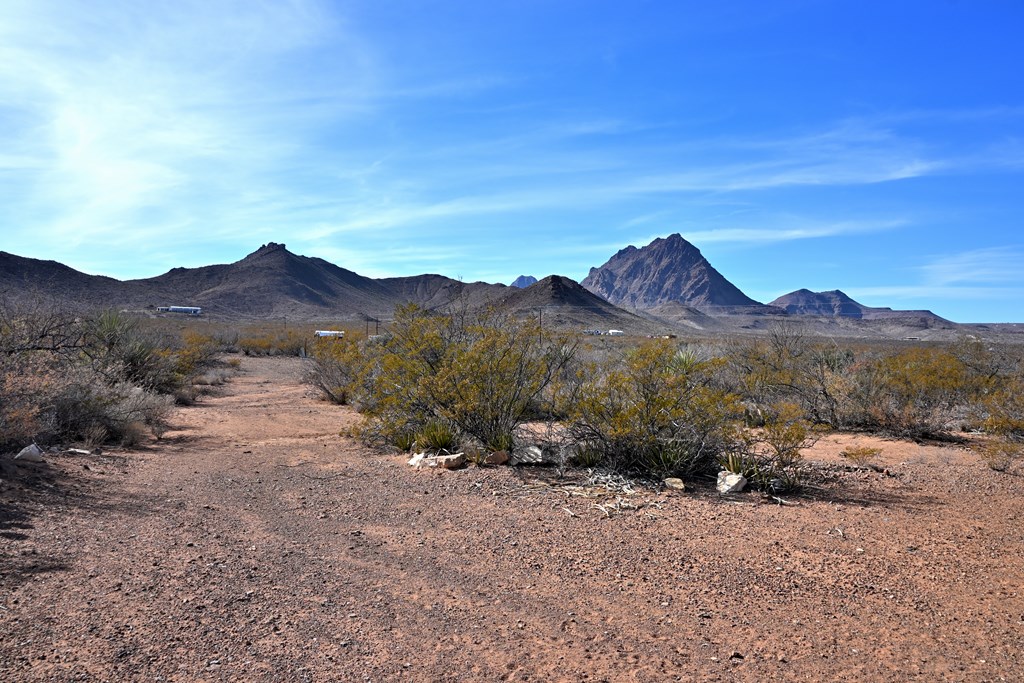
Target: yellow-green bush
x=481, y=372
x=653, y=411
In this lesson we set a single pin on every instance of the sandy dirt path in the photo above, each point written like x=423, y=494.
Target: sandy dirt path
x=253, y=543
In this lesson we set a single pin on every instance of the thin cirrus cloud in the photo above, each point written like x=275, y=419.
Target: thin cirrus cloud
x=988, y=266
x=121, y=109
x=991, y=273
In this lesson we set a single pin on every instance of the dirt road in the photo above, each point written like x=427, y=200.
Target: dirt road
x=253, y=543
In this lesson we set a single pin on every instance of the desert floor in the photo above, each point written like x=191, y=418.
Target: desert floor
x=254, y=543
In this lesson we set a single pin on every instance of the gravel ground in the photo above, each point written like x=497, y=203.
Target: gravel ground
x=254, y=543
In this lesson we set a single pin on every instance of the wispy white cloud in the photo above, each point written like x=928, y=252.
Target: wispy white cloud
x=935, y=293
x=125, y=113
x=988, y=266
x=810, y=230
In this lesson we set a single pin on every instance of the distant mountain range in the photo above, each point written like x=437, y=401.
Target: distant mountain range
x=667, y=283
x=271, y=282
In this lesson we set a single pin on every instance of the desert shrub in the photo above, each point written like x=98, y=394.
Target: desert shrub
x=652, y=412
x=334, y=367
x=788, y=367
x=82, y=408
x=772, y=456
x=861, y=455
x=198, y=352
x=274, y=341
x=481, y=372
x=92, y=379
x=1003, y=411
x=1000, y=454
x=915, y=392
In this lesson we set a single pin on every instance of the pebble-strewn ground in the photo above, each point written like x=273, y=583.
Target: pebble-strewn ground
x=256, y=544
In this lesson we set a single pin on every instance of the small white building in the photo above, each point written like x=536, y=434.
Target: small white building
x=337, y=334
x=615, y=333
x=187, y=310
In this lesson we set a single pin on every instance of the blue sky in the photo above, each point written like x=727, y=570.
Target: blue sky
x=877, y=148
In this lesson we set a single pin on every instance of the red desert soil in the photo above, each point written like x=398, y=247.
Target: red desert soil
x=253, y=543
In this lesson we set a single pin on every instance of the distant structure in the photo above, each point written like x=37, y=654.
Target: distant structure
x=615, y=333
x=187, y=310
x=337, y=334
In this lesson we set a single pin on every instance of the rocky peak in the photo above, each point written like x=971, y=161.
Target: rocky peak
x=669, y=269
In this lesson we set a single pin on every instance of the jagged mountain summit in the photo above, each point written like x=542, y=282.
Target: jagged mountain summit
x=667, y=270
x=523, y=281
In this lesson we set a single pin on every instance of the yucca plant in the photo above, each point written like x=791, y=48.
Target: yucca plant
x=438, y=435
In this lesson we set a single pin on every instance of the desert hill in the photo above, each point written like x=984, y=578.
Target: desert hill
x=434, y=292
x=667, y=270
x=836, y=303
x=564, y=302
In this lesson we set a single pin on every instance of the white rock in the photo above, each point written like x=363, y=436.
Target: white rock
x=729, y=482
x=674, y=483
x=446, y=462
x=450, y=462
x=30, y=454
x=531, y=455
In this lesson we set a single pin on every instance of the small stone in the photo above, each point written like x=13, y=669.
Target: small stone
x=730, y=482
x=450, y=462
x=496, y=458
x=30, y=453
x=675, y=484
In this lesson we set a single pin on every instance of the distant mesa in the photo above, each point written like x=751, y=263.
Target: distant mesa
x=668, y=270
x=836, y=304
x=524, y=281
x=832, y=303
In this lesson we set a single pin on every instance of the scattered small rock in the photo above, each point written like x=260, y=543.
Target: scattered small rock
x=675, y=484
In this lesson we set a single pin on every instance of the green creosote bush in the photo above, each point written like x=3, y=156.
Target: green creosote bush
x=94, y=379
x=861, y=455
x=648, y=413
x=334, y=366
x=771, y=457
x=481, y=372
